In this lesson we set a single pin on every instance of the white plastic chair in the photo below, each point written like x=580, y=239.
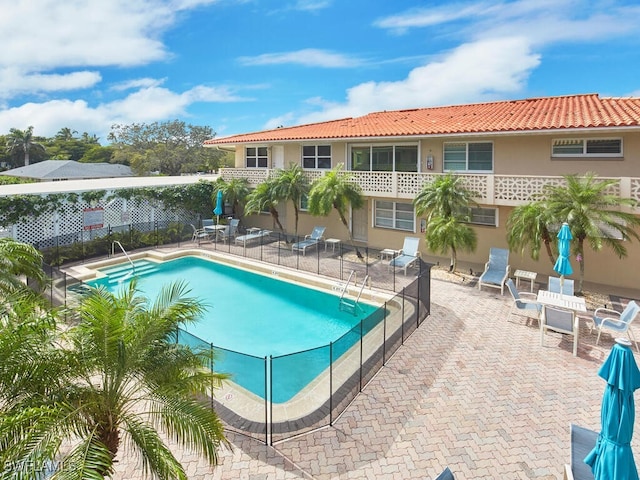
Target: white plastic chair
x=199, y=234
x=557, y=285
x=606, y=318
x=524, y=303
x=561, y=321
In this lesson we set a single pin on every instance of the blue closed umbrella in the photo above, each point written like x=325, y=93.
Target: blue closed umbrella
x=563, y=265
x=219, y=206
x=612, y=457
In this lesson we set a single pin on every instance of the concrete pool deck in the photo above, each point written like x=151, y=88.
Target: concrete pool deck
x=471, y=388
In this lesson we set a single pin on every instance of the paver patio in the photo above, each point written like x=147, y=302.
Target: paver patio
x=471, y=388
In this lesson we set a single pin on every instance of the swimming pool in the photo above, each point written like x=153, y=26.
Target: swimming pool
x=250, y=316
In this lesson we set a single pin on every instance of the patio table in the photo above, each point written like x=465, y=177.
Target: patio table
x=553, y=299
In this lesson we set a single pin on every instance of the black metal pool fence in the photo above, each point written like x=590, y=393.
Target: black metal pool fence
x=336, y=260
x=344, y=367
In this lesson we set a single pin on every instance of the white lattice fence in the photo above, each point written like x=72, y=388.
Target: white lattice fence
x=69, y=220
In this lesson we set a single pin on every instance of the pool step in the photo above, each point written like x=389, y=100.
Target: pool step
x=126, y=266
x=125, y=274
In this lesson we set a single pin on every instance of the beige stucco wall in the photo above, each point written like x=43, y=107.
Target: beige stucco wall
x=528, y=154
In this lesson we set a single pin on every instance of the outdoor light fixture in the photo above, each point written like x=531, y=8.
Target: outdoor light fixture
x=430, y=161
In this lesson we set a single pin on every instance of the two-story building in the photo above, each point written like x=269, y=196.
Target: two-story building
x=506, y=151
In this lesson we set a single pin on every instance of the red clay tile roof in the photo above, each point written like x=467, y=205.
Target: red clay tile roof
x=533, y=114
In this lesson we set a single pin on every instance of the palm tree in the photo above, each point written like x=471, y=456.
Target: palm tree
x=263, y=198
x=446, y=204
x=527, y=226
x=235, y=192
x=65, y=134
x=117, y=376
x=446, y=234
x=444, y=197
x=22, y=142
x=336, y=190
x=18, y=260
x=592, y=214
x=292, y=184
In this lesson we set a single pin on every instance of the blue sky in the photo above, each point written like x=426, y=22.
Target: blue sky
x=246, y=65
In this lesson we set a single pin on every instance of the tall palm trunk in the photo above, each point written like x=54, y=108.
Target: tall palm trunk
x=276, y=218
x=346, y=225
x=454, y=259
x=547, y=245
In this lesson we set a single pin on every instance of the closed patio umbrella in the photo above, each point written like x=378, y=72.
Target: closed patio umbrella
x=219, y=206
x=563, y=265
x=612, y=457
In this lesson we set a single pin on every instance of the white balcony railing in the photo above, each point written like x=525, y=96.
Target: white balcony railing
x=508, y=190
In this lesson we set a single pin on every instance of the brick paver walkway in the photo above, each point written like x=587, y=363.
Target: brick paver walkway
x=471, y=388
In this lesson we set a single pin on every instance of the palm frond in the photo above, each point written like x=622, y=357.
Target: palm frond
x=156, y=457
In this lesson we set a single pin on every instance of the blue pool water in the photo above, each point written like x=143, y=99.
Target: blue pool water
x=253, y=314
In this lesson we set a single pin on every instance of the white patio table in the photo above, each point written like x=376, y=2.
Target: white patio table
x=553, y=299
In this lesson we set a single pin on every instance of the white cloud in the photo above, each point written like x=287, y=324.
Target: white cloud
x=423, y=17
x=309, y=57
x=479, y=71
x=542, y=21
x=311, y=5
x=503, y=43
x=138, y=83
x=14, y=81
x=145, y=105
x=40, y=36
x=276, y=122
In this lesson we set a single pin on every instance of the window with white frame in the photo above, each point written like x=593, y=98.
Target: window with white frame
x=468, y=156
x=256, y=157
x=587, y=147
x=483, y=216
x=316, y=156
x=396, y=215
x=384, y=158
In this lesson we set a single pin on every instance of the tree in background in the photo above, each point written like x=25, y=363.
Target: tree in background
x=168, y=148
x=23, y=143
x=446, y=203
x=291, y=184
x=593, y=214
x=65, y=145
x=336, y=190
x=116, y=376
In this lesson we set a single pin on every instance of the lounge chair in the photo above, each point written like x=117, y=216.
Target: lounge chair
x=606, y=318
x=524, y=303
x=309, y=241
x=408, y=255
x=561, y=321
x=582, y=442
x=554, y=285
x=252, y=237
x=230, y=231
x=496, y=270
